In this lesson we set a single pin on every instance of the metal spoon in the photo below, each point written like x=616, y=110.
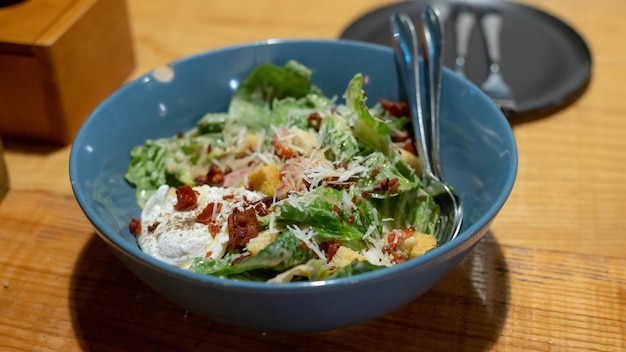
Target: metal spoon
x=406, y=46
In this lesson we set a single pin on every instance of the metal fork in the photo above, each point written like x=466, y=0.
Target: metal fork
x=494, y=86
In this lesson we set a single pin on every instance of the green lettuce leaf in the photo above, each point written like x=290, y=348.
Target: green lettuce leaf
x=323, y=209
x=282, y=254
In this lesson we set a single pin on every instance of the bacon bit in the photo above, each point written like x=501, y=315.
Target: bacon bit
x=382, y=185
x=214, y=177
x=228, y=196
x=206, y=216
x=339, y=186
x=242, y=226
x=241, y=155
x=375, y=172
x=153, y=227
x=389, y=185
x=394, y=185
x=180, y=135
x=208, y=254
x=214, y=229
x=396, y=109
x=303, y=245
x=315, y=120
x=332, y=182
x=187, y=199
x=365, y=194
x=330, y=248
x=337, y=210
x=135, y=226
x=280, y=148
x=395, y=239
x=350, y=219
x=262, y=205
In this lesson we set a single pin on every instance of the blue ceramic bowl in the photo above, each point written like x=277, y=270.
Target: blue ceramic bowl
x=479, y=159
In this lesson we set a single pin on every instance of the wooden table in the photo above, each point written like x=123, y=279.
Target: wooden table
x=549, y=276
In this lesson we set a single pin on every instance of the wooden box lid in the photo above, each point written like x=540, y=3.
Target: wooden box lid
x=28, y=22
x=58, y=60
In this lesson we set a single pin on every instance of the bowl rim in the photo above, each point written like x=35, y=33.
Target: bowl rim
x=466, y=238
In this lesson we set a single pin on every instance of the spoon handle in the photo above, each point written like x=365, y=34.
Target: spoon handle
x=433, y=60
x=407, y=51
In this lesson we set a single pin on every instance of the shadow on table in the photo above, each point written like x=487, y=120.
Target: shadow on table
x=113, y=310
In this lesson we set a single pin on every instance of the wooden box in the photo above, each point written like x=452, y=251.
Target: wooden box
x=58, y=60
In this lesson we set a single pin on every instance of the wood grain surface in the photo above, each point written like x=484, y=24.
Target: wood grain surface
x=549, y=276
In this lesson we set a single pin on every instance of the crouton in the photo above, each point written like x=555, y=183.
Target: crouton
x=345, y=256
x=256, y=244
x=423, y=243
x=264, y=179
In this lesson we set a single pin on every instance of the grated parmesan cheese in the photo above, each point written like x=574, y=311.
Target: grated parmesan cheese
x=306, y=236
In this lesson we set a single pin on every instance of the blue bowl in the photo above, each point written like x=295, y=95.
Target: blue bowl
x=479, y=157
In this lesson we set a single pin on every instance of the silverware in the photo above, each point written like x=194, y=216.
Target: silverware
x=495, y=86
x=464, y=20
x=427, y=129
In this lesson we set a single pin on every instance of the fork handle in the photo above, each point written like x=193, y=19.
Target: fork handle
x=492, y=24
x=463, y=26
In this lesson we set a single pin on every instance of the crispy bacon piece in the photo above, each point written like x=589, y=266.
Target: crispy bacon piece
x=337, y=210
x=187, y=199
x=330, y=248
x=206, y=216
x=396, y=109
x=315, y=120
x=383, y=185
x=395, y=239
x=388, y=184
x=242, y=226
x=135, y=226
x=262, y=205
x=281, y=149
x=214, y=229
x=214, y=177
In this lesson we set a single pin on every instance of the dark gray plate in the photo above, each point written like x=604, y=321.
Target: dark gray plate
x=546, y=63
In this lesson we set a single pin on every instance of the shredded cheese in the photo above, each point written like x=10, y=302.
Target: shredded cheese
x=306, y=236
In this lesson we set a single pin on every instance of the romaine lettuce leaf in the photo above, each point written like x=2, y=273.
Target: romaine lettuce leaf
x=282, y=254
x=325, y=210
